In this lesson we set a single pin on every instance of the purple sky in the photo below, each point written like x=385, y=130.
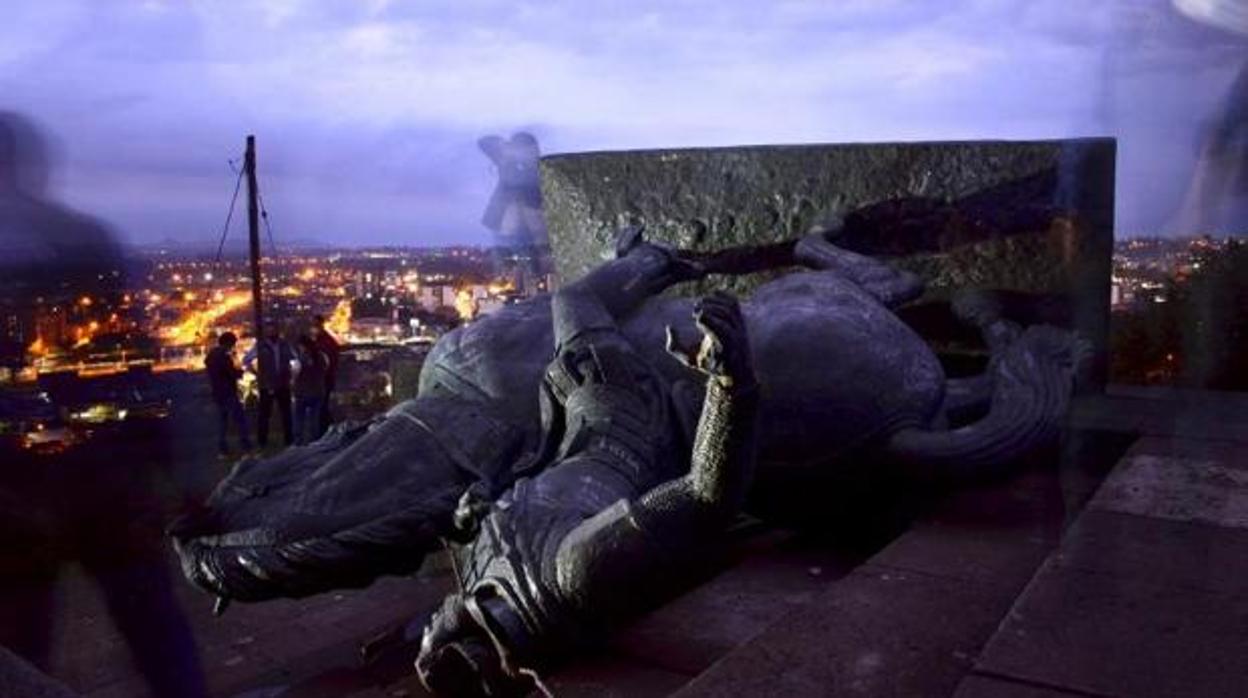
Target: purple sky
x=367, y=111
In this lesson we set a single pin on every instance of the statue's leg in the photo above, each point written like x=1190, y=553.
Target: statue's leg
x=357, y=505
x=892, y=287
x=982, y=310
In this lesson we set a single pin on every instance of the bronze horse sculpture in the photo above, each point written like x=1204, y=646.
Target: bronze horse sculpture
x=841, y=380
x=842, y=377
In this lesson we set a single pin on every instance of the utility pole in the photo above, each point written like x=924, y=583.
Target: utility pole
x=253, y=230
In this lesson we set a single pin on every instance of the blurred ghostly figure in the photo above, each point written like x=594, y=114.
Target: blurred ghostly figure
x=1217, y=198
x=1231, y=15
x=78, y=506
x=46, y=250
x=515, y=209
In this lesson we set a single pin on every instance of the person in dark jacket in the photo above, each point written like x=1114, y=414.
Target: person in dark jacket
x=223, y=375
x=330, y=347
x=270, y=359
x=310, y=389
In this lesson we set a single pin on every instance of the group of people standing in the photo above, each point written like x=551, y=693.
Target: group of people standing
x=297, y=377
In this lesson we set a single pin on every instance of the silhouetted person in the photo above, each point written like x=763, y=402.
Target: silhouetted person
x=329, y=346
x=95, y=503
x=309, y=389
x=223, y=375
x=270, y=359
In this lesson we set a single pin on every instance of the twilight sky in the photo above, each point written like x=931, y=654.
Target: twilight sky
x=367, y=111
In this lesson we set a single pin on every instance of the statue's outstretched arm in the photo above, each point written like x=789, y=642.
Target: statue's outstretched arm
x=644, y=541
x=611, y=291
x=890, y=285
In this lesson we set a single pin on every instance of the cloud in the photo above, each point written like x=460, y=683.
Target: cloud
x=375, y=106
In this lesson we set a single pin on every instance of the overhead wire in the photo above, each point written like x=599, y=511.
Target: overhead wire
x=229, y=216
x=225, y=232
x=264, y=216
x=264, y=212
x=268, y=230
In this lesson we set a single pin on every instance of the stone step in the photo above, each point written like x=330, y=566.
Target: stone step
x=773, y=573
x=914, y=616
x=1145, y=597
x=912, y=620
x=909, y=622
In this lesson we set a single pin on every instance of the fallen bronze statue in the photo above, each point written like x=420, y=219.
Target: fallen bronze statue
x=558, y=483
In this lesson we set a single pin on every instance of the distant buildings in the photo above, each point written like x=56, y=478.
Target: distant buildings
x=70, y=366
x=173, y=306
x=1147, y=268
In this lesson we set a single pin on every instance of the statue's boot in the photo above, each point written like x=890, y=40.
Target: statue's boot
x=359, y=503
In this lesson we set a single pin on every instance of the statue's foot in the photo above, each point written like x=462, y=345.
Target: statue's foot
x=977, y=308
x=1053, y=346
x=826, y=227
x=984, y=311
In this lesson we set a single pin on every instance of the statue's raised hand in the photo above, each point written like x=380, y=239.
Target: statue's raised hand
x=724, y=353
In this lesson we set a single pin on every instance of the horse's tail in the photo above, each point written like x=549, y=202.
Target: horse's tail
x=1032, y=382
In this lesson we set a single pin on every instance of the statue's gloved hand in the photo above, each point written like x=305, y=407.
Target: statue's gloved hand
x=677, y=265
x=724, y=352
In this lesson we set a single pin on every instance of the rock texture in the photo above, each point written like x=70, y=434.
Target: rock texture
x=1033, y=217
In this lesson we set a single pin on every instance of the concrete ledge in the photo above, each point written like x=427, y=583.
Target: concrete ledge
x=1032, y=217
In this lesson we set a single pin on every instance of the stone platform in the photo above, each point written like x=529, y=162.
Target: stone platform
x=1113, y=568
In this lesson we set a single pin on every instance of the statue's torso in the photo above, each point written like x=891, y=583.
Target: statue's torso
x=611, y=416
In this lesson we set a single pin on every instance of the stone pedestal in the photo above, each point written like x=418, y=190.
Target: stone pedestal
x=1034, y=218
